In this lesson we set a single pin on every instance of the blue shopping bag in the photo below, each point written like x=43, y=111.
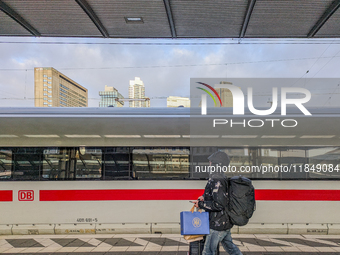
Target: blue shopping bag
x=194, y=223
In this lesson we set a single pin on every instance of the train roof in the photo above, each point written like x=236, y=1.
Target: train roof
x=168, y=111
x=165, y=127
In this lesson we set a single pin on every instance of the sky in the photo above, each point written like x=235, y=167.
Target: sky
x=166, y=66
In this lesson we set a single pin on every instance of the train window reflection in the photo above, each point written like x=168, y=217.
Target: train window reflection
x=72, y=163
x=242, y=158
x=324, y=162
x=89, y=163
x=57, y=164
x=249, y=162
x=267, y=157
x=293, y=159
x=117, y=163
x=161, y=163
x=243, y=161
x=199, y=162
x=26, y=163
x=5, y=163
x=114, y=163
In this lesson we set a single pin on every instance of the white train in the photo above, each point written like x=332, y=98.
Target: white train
x=121, y=170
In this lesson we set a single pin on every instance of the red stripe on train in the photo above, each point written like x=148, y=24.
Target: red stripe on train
x=6, y=195
x=181, y=194
x=120, y=194
x=297, y=195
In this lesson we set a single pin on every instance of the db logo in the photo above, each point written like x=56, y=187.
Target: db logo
x=26, y=195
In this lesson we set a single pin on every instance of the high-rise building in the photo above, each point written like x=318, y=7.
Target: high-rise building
x=137, y=94
x=54, y=89
x=225, y=95
x=172, y=101
x=110, y=97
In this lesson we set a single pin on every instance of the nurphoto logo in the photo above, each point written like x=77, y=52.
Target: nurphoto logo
x=238, y=99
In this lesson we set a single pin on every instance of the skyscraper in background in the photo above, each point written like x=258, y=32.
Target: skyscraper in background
x=225, y=95
x=137, y=94
x=109, y=97
x=54, y=89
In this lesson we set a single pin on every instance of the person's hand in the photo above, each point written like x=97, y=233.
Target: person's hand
x=201, y=198
x=196, y=204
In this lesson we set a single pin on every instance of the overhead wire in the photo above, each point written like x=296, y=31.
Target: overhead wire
x=328, y=100
x=164, y=97
x=171, y=66
x=322, y=68
x=327, y=63
x=290, y=41
x=312, y=65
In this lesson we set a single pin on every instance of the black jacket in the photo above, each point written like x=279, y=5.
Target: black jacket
x=215, y=202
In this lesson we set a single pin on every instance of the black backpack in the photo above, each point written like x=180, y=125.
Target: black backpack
x=241, y=205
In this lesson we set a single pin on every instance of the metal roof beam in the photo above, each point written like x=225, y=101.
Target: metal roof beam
x=247, y=17
x=325, y=16
x=14, y=15
x=170, y=18
x=93, y=16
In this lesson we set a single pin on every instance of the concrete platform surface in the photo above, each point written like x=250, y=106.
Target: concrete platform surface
x=166, y=244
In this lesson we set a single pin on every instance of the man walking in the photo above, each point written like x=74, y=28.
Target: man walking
x=215, y=201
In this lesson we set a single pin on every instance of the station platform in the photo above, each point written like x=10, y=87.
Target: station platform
x=163, y=244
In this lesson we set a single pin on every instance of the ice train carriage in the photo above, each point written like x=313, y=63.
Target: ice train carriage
x=138, y=167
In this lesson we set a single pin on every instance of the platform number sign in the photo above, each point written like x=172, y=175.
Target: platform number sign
x=26, y=195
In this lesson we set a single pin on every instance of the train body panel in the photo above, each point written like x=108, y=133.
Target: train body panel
x=142, y=164
x=157, y=206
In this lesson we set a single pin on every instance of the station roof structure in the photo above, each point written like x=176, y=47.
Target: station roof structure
x=171, y=18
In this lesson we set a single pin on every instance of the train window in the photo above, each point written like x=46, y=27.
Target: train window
x=117, y=163
x=243, y=161
x=160, y=163
x=5, y=163
x=88, y=163
x=268, y=157
x=56, y=164
x=72, y=163
x=199, y=161
x=293, y=158
x=323, y=162
x=26, y=163
x=111, y=163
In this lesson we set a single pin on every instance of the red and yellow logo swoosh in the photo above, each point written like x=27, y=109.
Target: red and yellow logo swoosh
x=208, y=92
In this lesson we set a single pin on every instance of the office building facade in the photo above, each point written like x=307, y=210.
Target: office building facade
x=137, y=94
x=54, y=89
x=110, y=98
x=172, y=101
